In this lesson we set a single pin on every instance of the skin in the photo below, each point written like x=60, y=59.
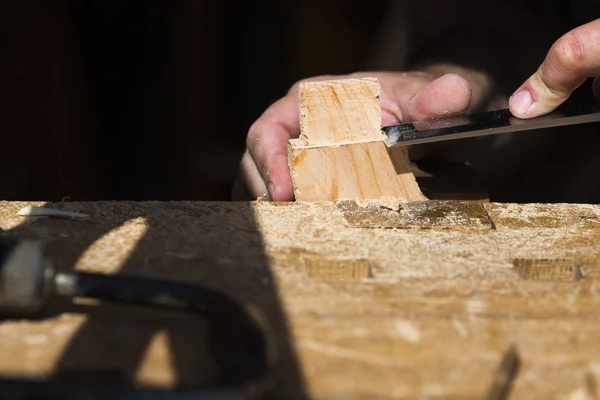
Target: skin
x=571, y=60
x=405, y=96
x=409, y=96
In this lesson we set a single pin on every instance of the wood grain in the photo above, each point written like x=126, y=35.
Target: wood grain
x=431, y=319
x=361, y=171
x=340, y=153
x=338, y=111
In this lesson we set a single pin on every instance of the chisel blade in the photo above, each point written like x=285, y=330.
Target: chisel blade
x=485, y=123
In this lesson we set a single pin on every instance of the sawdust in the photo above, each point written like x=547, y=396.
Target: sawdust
x=533, y=216
x=419, y=215
x=445, y=299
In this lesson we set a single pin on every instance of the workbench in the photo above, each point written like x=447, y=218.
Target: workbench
x=365, y=302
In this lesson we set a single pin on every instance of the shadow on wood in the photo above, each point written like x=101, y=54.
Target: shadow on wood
x=172, y=241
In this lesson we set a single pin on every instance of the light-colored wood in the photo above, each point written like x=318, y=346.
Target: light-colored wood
x=359, y=311
x=339, y=111
x=361, y=171
x=340, y=153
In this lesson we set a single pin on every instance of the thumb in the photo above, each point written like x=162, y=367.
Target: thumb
x=571, y=60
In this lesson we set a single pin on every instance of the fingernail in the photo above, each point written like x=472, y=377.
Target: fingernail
x=520, y=102
x=272, y=190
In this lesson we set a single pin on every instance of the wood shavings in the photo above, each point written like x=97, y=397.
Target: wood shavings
x=443, y=304
x=392, y=203
x=49, y=212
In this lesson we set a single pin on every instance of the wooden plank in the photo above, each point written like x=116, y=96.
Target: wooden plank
x=442, y=306
x=340, y=153
x=361, y=313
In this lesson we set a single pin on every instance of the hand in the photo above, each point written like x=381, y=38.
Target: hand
x=440, y=90
x=572, y=59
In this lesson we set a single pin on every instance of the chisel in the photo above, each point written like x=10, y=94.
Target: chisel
x=485, y=123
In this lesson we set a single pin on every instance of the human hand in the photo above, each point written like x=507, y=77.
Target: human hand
x=437, y=91
x=571, y=60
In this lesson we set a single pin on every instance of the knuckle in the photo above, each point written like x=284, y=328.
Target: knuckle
x=423, y=80
x=253, y=135
x=422, y=75
x=295, y=88
x=570, y=52
x=415, y=83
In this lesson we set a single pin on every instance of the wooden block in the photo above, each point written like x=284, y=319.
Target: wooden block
x=351, y=171
x=340, y=153
x=339, y=111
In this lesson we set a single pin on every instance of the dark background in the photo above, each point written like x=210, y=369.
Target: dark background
x=152, y=99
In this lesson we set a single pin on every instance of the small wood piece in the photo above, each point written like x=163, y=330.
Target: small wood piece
x=340, y=153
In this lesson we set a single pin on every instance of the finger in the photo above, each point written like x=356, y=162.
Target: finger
x=449, y=94
x=267, y=144
x=239, y=191
x=396, y=91
x=571, y=60
x=249, y=184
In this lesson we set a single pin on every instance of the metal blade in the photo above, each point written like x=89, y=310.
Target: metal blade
x=485, y=123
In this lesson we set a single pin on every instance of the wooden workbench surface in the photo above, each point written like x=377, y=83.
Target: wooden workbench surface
x=366, y=302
